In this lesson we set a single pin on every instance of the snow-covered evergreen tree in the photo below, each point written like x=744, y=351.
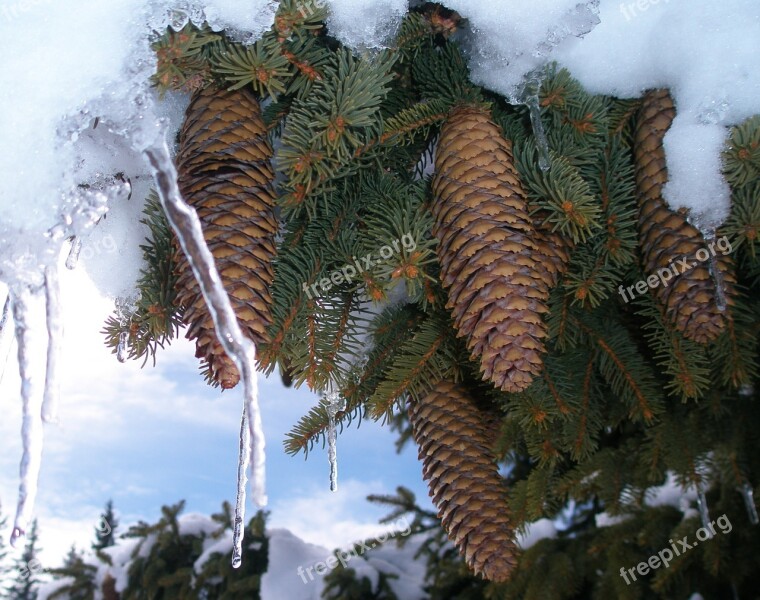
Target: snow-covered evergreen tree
x=105, y=530
x=27, y=568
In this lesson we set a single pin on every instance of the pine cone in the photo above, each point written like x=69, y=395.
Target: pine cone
x=455, y=441
x=225, y=174
x=665, y=236
x=497, y=277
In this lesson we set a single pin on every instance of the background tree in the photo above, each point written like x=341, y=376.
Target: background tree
x=5, y=567
x=105, y=530
x=27, y=568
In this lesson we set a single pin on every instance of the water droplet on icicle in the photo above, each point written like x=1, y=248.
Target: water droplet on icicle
x=16, y=535
x=73, y=258
x=334, y=404
x=54, y=323
x=704, y=513
x=187, y=226
x=749, y=502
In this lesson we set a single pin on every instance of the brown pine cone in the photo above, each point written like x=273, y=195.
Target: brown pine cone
x=225, y=174
x=497, y=277
x=665, y=236
x=455, y=441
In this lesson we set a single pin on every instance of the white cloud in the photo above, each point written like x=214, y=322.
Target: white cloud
x=331, y=519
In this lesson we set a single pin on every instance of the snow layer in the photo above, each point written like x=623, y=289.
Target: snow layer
x=537, y=530
x=704, y=51
x=365, y=24
x=513, y=38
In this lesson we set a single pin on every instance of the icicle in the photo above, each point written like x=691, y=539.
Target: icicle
x=187, y=226
x=749, y=502
x=5, y=335
x=25, y=302
x=73, y=258
x=121, y=347
x=243, y=458
x=55, y=343
x=544, y=161
x=334, y=404
x=716, y=274
x=125, y=311
x=704, y=513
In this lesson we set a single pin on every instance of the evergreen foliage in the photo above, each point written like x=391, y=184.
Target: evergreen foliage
x=623, y=401
x=163, y=562
x=105, y=531
x=5, y=568
x=27, y=568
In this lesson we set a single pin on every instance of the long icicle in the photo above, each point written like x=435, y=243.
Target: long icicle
x=242, y=471
x=55, y=344
x=242, y=350
x=25, y=302
x=5, y=335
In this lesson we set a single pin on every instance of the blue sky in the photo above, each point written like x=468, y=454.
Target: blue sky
x=153, y=436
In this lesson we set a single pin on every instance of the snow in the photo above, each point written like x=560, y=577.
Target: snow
x=365, y=24
x=512, y=39
x=196, y=524
x=121, y=555
x=605, y=519
x=535, y=531
x=671, y=494
x=706, y=53
x=286, y=554
x=47, y=589
x=392, y=560
x=292, y=562
x=221, y=546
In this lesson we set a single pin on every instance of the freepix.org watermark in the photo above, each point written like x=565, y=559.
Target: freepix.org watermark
x=344, y=556
x=666, y=555
x=13, y=10
x=675, y=268
x=348, y=272
x=629, y=9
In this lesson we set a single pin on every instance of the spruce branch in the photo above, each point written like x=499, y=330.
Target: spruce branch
x=741, y=159
x=621, y=365
x=156, y=318
x=684, y=362
x=260, y=65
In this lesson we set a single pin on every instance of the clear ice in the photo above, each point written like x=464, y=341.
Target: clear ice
x=334, y=404
x=187, y=226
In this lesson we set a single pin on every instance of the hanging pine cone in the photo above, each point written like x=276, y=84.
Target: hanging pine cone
x=690, y=299
x=225, y=174
x=497, y=277
x=455, y=441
